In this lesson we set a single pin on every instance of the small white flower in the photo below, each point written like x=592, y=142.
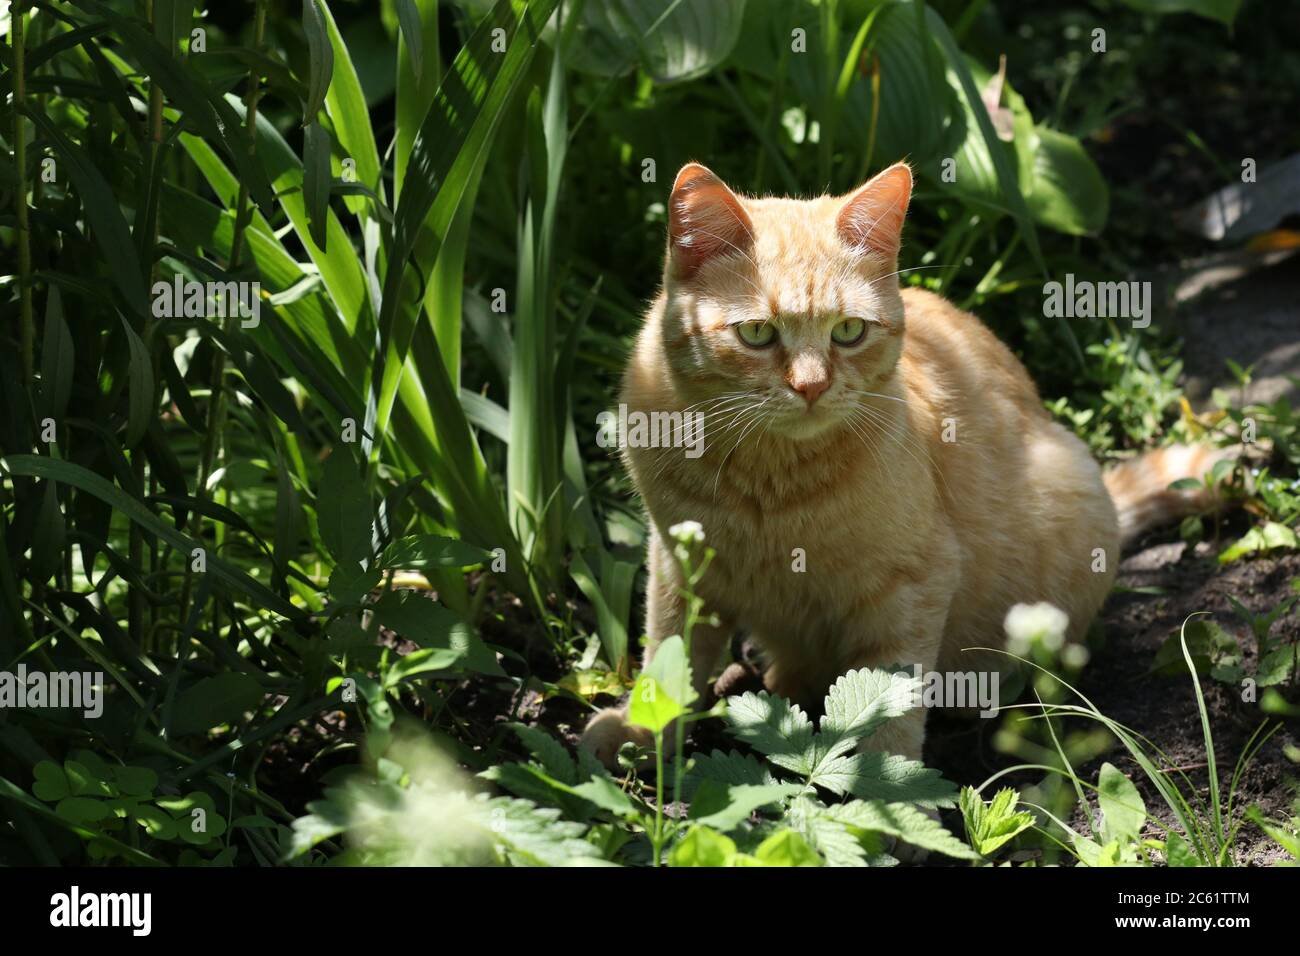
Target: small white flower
x=687, y=532
x=1075, y=656
x=1027, y=623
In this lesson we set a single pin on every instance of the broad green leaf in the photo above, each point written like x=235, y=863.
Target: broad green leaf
x=221, y=699
x=1267, y=537
x=727, y=768
x=672, y=670
x=651, y=705
x=605, y=793
x=343, y=510
x=1122, y=809
x=422, y=661
x=703, y=847
x=786, y=848
x=421, y=552
x=135, y=781
x=82, y=810
x=51, y=783
x=431, y=625
x=1178, y=853
x=888, y=777
x=672, y=40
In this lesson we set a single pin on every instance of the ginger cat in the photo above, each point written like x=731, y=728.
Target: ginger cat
x=885, y=432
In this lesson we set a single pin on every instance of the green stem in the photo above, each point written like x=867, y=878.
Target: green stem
x=243, y=216
x=18, y=22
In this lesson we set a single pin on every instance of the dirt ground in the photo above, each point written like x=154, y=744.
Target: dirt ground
x=1118, y=680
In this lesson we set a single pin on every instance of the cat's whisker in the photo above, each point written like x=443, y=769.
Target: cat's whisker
x=863, y=391
x=756, y=419
x=897, y=430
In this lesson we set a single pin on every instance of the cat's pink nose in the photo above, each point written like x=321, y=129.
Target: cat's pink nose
x=811, y=389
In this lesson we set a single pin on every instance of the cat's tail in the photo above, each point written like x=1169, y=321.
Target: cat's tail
x=1140, y=487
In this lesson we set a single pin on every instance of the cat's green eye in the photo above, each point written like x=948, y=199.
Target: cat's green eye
x=756, y=334
x=849, y=331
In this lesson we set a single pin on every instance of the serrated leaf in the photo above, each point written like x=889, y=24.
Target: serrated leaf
x=606, y=794
x=1178, y=853
x=989, y=826
x=728, y=768
x=724, y=806
x=903, y=821
x=549, y=751
x=423, y=552
x=536, y=836
x=858, y=703
x=888, y=777
x=774, y=727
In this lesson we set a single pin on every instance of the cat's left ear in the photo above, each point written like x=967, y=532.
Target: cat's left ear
x=872, y=217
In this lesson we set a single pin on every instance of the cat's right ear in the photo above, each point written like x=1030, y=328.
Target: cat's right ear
x=705, y=219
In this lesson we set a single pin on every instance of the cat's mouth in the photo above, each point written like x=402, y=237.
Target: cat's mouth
x=807, y=421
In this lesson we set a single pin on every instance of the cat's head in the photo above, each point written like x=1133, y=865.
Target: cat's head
x=788, y=306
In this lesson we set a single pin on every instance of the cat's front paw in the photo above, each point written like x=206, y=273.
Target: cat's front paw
x=607, y=731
